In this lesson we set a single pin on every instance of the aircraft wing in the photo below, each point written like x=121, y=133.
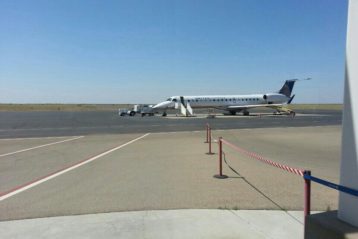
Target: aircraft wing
x=242, y=107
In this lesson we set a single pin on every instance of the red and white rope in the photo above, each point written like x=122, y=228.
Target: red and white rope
x=262, y=159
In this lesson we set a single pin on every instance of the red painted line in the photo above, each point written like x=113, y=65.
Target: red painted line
x=50, y=174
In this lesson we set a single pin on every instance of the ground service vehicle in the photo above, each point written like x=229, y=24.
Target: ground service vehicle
x=140, y=109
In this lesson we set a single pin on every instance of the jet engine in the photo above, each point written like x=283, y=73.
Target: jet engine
x=274, y=98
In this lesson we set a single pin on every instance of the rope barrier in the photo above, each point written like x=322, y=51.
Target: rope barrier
x=332, y=185
x=264, y=160
x=306, y=174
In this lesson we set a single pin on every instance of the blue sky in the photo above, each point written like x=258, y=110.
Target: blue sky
x=143, y=51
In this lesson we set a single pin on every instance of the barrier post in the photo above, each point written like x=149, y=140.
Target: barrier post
x=220, y=175
x=209, y=139
x=220, y=156
x=207, y=133
x=307, y=208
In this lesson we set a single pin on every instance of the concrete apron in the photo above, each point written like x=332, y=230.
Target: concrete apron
x=189, y=223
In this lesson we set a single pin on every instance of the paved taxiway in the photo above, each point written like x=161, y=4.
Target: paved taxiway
x=163, y=171
x=40, y=124
x=100, y=162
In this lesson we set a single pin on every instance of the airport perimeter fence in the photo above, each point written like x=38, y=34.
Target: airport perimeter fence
x=305, y=174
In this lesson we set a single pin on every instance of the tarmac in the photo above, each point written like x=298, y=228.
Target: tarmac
x=161, y=184
x=60, y=123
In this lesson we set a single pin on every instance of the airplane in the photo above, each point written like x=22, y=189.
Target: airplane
x=231, y=104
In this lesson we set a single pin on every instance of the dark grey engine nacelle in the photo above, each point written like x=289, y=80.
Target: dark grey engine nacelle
x=274, y=98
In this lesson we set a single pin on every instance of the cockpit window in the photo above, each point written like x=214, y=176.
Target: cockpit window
x=172, y=99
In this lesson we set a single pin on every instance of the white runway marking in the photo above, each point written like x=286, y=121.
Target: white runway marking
x=34, y=183
x=40, y=146
x=52, y=137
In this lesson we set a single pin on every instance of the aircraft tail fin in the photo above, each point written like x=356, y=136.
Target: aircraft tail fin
x=287, y=87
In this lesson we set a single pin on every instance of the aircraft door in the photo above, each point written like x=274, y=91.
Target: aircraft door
x=182, y=100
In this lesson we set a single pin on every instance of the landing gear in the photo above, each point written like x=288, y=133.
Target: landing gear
x=246, y=113
x=277, y=112
x=211, y=114
x=149, y=114
x=164, y=114
x=233, y=112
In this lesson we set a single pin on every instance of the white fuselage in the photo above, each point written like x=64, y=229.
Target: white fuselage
x=224, y=102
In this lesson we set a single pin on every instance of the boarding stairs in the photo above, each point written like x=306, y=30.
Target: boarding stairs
x=185, y=108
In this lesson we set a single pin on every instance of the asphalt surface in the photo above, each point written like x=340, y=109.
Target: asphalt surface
x=58, y=123
x=165, y=171
x=161, y=170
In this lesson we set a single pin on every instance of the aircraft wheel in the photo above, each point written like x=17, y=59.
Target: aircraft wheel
x=164, y=114
x=246, y=113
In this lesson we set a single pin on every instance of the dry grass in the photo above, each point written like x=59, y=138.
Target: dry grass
x=62, y=107
x=316, y=106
